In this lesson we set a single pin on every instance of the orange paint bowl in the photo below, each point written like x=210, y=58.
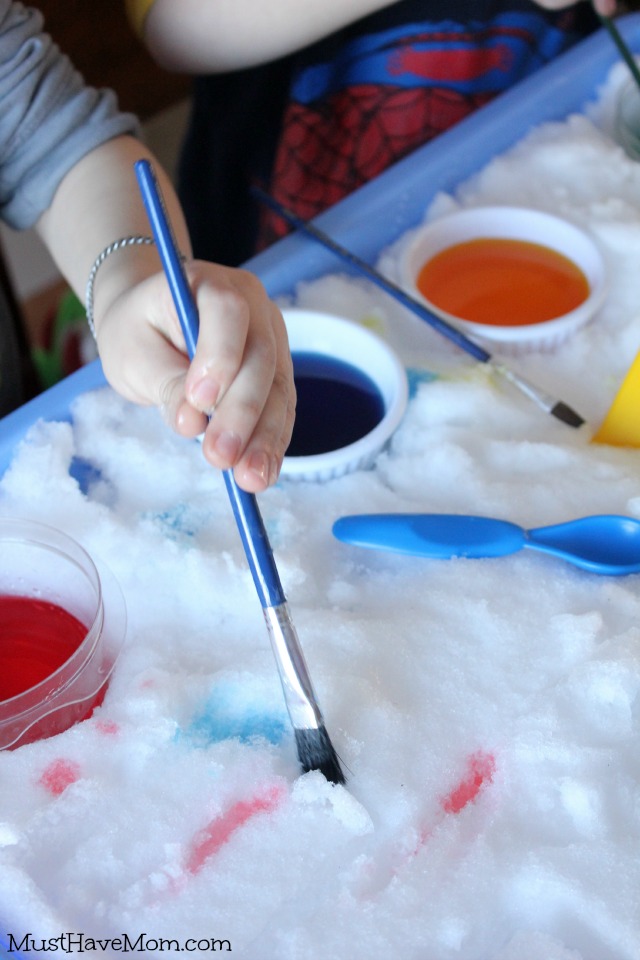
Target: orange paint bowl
x=509, y=277
x=62, y=626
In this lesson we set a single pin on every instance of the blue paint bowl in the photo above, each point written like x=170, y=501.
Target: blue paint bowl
x=352, y=395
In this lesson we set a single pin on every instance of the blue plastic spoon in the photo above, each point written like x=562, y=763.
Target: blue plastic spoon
x=606, y=544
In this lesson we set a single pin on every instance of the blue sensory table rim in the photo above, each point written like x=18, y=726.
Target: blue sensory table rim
x=377, y=214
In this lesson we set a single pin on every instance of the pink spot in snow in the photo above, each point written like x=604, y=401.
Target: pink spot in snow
x=480, y=769
x=108, y=727
x=59, y=775
x=209, y=840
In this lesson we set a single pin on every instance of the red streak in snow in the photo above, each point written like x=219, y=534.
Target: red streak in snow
x=209, y=840
x=480, y=769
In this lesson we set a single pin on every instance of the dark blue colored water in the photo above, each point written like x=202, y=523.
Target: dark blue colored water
x=337, y=405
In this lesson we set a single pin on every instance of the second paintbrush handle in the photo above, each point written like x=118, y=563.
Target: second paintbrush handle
x=447, y=330
x=550, y=405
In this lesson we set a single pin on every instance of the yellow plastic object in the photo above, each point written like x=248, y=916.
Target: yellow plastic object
x=621, y=426
x=137, y=11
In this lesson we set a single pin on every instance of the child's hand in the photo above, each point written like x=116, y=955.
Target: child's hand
x=239, y=387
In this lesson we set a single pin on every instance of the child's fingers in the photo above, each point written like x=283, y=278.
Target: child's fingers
x=258, y=438
x=152, y=373
x=233, y=308
x=257, y=468
x=252, y=423
x=239, y=386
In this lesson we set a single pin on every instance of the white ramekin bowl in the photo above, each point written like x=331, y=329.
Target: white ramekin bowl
x=510, y=223
x=337, y=339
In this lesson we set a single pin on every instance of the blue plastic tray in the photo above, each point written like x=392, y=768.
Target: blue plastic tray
x=377, y=214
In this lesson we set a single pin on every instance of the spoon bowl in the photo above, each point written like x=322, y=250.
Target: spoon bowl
x=606, y=544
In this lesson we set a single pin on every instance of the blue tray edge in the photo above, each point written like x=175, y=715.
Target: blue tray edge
x=53, y=404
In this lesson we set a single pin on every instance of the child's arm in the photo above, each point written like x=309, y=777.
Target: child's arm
x=242, y=365
x=198, y=36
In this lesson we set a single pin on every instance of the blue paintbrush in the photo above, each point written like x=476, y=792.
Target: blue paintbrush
x=557, y=408
x=315, y=750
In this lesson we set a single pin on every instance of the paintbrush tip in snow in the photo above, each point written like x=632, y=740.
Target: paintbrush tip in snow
x=565, y=413
x=316, y=752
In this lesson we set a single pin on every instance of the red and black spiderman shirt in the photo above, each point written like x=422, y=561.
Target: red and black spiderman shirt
x=371, y=94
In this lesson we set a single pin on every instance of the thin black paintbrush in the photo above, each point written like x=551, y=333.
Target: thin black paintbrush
x=623, y=49
x=315, y=750
x=557, y=408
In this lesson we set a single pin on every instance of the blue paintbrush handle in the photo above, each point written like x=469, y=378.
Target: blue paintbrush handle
x=245, y=507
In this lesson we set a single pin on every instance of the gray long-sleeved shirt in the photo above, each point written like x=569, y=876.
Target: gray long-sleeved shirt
x=49, y=118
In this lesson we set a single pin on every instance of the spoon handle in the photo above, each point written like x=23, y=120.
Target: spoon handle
x=440, y=536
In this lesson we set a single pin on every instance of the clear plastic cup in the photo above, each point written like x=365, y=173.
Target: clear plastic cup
x=51, y=580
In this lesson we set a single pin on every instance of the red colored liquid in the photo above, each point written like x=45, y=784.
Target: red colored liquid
x=36, y=638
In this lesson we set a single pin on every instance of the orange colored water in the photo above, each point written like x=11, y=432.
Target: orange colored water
x=503, y=282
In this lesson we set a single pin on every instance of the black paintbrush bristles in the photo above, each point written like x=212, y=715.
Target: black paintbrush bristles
x=316, y=752
x=565, y=413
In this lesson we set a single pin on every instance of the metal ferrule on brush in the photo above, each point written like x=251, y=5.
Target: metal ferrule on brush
x=296, y=684
x=544, y=401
